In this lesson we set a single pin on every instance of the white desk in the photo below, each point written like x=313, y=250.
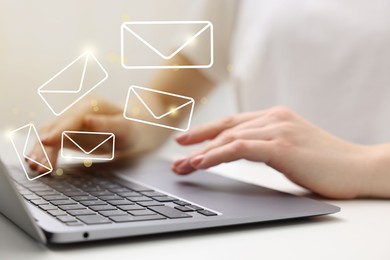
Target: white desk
x=360, y=231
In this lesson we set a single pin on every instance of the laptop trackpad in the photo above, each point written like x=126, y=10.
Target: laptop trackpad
x=227, y=196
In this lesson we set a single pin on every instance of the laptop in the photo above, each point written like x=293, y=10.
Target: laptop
x=106, y=202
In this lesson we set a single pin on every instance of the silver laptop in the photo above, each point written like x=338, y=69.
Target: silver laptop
x=103, y=202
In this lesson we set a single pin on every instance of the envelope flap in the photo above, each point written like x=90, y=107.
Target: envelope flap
x=69, y=79
x=31, y=140
x=83, y=73
x=179, y=35
x=175, y=102
x=91, y=140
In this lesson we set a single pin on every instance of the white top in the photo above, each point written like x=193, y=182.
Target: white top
x=328, y=60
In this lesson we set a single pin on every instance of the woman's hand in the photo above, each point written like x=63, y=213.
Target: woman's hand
x=93, y=115
x=304, y=153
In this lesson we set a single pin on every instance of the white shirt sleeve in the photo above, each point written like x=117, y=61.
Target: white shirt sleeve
x=222, y=14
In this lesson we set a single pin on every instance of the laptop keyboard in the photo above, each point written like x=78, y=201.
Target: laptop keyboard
x=78, y=199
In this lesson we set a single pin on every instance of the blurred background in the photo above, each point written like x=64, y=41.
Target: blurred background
x=39, y=38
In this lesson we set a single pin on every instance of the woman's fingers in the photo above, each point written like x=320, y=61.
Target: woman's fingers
x=256, y=129
x=92, y=123
x=264, y=134
x=74, y=119
x=262, y=126
x=260, y=151
x=211, y=130
x=39, y=157
x=82, y=117
x=253, y=134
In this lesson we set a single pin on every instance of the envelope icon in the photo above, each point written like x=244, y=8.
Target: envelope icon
x=89, y=145
x=142, y=49
x=139, y=108
x=29, y=137
x=72, y=83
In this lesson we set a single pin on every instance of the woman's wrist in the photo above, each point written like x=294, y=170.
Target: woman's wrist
x=376, y=177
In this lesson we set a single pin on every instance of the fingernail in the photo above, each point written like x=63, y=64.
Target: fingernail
x=197, y=160
x=180, y=160
x=183, y=169
x=32, y=156
x=182, y=137
x=89, y=120
x=44, y=138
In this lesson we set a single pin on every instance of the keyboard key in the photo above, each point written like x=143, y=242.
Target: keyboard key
x=102, y=207
x=131, y=207
x=150, y=203
x=75, y=193
x=60, y=186
x=138, y=199
x=109, y=213
x=111, y=186
x=91, y=189
x=34, y=185
x=93, y=219
x=93, y=202
x=184, y=209
x=110, y=197
x=170, y=212
x=102, y=182
x=135, y=187
x=63, y=202
x=130, y=194
x=54, y=197
x=144, y=212
x=25, y=192
x=64, y=189
x=120, y=219
x=46, y=193
x=67, y=219
x=101, y=193
x=194, y=207
x=165, y=199
x=117, y=190
x=56, y=212
x=153, y=194
x=77, y=223
x=31, y=197
x=43, y=188
x=47, y=207
x=39, y=202
x=120, y=202
x=207, y=213
x=181, y=203
x=80, y=198
x=80, y=212
x=72, y=206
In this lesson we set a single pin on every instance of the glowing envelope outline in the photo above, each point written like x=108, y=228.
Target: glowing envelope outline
x=87, y=55
x=23, y=154
x=133, y=89
x=126, y=27
x=65, y=134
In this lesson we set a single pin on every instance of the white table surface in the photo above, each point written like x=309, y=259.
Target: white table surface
x=360, y=231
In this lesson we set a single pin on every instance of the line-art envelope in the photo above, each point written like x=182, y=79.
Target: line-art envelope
x=29, y=136
x=93, y=151
x=72, y=83
x=132, y=37
x=139, y=110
